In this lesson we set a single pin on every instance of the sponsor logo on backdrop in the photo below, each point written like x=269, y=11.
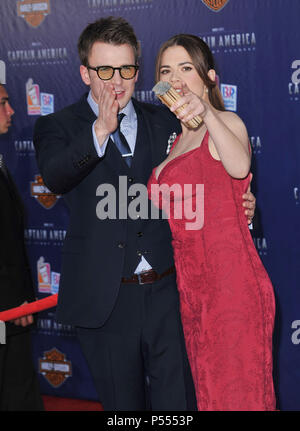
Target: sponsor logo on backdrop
x=221, y=40
x=256, y=146
x=229, y=93
x=2, y=72
x=46, y=235
x=33, y=11
x=38, y=103
x=294, y=84
x=24, y=147
x=215, y=5
x=118, y=5
x=147, y=96
x=42, y=194
x=296, y=334
x=38, y=56
x=297, y=195
x=55, y=367
x=33, y=98
x=52, y=327
x=48, y=281
x=261, y=245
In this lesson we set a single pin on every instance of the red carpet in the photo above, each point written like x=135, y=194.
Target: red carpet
x=57, y=404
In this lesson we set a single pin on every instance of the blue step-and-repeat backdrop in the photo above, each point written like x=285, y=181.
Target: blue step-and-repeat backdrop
x=256, y=46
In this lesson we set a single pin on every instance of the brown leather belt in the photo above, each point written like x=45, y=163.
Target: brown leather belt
x=147, y=277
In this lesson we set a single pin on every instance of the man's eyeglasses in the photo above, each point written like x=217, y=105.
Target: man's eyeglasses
x=107, y=72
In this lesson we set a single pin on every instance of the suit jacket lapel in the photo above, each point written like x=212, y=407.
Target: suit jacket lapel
x=154, y=131
x=114, y=160
x=83, y=109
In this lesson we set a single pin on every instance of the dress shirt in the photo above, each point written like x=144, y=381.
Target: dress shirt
x=129, y=129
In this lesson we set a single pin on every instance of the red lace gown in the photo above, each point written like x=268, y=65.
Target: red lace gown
x=226, y=297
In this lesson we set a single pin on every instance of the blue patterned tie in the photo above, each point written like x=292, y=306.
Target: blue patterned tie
x=121, y=142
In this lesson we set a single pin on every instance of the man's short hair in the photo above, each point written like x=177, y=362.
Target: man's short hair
x=114, y=30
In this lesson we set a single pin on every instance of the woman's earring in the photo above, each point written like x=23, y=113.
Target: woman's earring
x=206, y=90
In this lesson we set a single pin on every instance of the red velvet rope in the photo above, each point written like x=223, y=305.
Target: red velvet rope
x=31, y=308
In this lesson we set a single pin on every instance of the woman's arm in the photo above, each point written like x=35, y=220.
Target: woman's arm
x=227, y=132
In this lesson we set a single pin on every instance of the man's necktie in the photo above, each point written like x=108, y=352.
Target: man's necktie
x=121, y=142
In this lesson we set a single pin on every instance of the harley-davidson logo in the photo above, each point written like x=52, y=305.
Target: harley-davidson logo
x=55, y=368
x=42, y=194
x=215, y=5
x=33, y=11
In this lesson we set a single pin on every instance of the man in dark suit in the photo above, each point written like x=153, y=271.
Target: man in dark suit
x=118, y=283
x=19, y=388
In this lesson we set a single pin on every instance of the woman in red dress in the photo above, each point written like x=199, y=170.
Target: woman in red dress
x=227, y=300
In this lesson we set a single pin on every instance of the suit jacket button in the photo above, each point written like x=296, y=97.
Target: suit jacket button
x=139, y=234
x=121, y=245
